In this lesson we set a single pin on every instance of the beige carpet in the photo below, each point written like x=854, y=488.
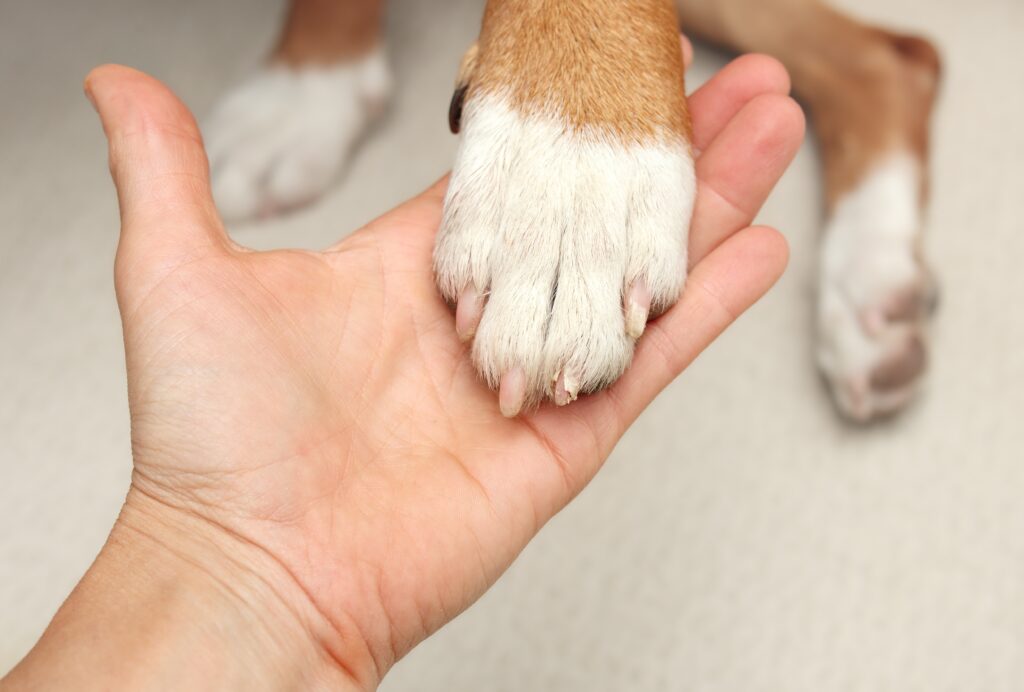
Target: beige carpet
x=741, y=538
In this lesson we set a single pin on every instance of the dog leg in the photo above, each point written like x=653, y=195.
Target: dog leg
x=870, y=93
x=280, y=138
x=566, y=219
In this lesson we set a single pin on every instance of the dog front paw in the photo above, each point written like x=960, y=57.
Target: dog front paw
x=556, y=245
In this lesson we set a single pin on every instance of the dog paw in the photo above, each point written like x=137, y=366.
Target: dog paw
x=876, y=294
x=279, y=139
x=556, y=245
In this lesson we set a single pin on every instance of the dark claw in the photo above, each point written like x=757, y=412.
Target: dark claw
x=455, y=110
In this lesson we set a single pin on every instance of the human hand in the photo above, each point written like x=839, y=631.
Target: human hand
x=307, y=427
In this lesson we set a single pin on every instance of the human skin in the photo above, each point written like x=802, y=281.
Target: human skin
x=320, y=480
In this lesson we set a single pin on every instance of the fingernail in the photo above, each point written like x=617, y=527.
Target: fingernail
x=512, y=393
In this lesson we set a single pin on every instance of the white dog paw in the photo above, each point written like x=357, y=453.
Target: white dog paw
x=556, y=245
x=876, y=294
x=279, y=139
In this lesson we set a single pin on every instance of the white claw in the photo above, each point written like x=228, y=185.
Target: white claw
x=567, y=387
x=638, y=309
x=512, y=393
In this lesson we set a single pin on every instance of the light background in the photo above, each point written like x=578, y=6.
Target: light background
x=741, y=538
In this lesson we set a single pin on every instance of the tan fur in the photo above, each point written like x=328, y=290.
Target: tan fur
x=601, y=64
x=878, y=102
x=468, y=66
x=324, y=32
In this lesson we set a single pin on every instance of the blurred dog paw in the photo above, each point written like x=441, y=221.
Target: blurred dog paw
x=279, y=139
x=876, y=294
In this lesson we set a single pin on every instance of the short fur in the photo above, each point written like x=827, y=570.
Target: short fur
x=600, y=64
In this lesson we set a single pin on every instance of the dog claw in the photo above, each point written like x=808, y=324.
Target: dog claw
x=512, y=394
x=638, y=309
x=468, y=314
x=567, y=387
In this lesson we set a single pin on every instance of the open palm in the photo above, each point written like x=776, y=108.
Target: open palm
x=320, y=407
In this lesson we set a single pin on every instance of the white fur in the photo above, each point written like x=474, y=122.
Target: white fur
x=868, y=257
x=282, y=136
x=555, y=225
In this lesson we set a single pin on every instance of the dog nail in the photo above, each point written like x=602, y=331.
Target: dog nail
x=468, y=314
x=567, y=387
x=512, y=393
x=638, y=308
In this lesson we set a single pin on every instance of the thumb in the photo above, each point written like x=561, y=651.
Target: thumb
x=160, y=171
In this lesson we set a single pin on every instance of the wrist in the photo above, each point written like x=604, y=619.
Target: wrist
x=175, y=602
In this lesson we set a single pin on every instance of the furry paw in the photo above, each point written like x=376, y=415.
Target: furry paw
x=876, y=294
x=557, y=244
x=279, y=139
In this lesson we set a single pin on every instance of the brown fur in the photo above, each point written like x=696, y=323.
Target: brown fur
x=324, y=32
x=601, y=64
